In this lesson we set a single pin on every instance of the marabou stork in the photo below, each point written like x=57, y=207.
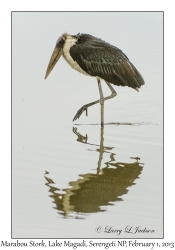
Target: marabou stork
x=94, y=57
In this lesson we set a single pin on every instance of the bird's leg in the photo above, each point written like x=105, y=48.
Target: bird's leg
x=86, y=106
x=83, y=108
x=114, y=93
x=101, y=102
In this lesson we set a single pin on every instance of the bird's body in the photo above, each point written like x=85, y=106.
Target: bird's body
x=94, y=57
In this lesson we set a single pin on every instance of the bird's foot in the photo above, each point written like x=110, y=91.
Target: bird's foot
x=80, y=111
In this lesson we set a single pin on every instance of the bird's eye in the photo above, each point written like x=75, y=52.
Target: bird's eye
x=77, y=36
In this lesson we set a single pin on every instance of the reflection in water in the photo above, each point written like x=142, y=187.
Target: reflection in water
x=92, y=191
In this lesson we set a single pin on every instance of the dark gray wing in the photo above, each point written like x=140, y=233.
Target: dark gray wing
x=98, y=58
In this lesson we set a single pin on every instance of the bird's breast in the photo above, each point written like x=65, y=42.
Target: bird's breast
x=70, y=60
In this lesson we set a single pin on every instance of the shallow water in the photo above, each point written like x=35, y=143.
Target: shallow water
x=74, y=179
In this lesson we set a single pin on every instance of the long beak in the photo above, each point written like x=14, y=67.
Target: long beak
x=54, y=59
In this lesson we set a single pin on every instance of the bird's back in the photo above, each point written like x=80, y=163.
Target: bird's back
x=100, y=59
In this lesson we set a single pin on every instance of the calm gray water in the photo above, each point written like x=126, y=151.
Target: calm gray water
x=71, y=179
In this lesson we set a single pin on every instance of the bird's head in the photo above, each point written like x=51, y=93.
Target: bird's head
x=58, y=50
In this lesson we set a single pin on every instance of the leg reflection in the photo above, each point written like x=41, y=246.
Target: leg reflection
x=101, y=149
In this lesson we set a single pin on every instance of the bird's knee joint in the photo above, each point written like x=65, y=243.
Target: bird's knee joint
x=102, y=101
x=114, y=94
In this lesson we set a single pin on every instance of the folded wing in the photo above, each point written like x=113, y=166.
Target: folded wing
x=98, y=58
